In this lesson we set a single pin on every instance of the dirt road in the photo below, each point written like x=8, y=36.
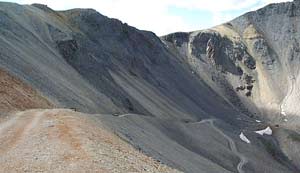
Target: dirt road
x=232, y=145
x=60, y=140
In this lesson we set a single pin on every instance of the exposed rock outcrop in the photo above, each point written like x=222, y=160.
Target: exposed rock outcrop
x=67, y=48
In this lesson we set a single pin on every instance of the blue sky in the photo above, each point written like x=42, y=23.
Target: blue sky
x=163, y=16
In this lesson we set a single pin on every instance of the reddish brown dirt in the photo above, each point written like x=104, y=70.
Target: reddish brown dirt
x=16, y=95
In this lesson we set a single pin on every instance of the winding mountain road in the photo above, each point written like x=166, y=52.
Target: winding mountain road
x=288, y=95
x=232, y=145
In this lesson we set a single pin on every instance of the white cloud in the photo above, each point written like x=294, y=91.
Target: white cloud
x=148, y=15
x=222, y=17
x=154, y=14
x=214, y=6
x=266, y=2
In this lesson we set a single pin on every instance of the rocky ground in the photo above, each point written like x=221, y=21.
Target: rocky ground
x=57, y=140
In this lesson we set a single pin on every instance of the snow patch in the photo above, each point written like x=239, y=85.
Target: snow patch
x=267, y=131
x=258, y=121
x=244, y=138
x=285, y=120
x=283, y=113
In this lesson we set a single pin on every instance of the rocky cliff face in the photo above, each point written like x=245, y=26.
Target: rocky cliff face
x=194, y=92
x=257, y=51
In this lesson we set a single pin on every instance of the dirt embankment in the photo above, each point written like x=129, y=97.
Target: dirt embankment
x=16, y=95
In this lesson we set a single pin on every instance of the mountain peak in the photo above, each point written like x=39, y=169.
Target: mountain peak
x=42, y=7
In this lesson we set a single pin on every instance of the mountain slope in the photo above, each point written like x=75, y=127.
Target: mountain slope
x=183, y=99
x=255, y=57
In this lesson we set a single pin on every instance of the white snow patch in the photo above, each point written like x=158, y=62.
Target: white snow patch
x=258, y=121
x=207, y=48
x=283, y=113
x=267, y=131
x=285, y=120
x=244, y=138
